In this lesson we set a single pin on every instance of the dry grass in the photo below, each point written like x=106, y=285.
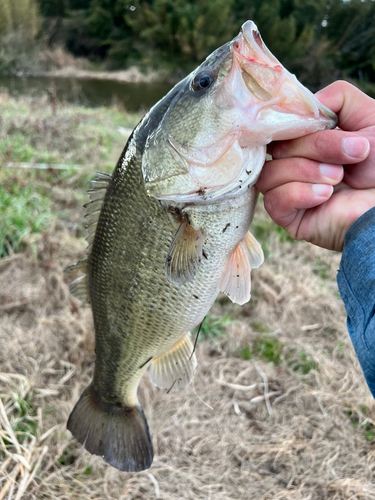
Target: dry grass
x=279, y=408
x=215, y=440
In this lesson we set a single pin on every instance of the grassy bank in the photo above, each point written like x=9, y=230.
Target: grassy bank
x=278, y=409
x=71, y=143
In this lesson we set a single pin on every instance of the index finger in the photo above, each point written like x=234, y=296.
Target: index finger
x=355, y=109
x=328, y=146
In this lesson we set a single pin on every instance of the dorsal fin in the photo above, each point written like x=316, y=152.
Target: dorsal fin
x=97, y=194
x=79, y=287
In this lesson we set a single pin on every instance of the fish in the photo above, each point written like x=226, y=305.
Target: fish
x=169, y=230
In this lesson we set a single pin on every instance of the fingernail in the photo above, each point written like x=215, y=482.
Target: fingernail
x=323, y=189
x=356, y=147
x=331, y=171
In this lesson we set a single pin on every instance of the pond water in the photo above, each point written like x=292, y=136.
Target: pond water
x=89, y=92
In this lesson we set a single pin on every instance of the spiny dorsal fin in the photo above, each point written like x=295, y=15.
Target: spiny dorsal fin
x=184, y=255
x=81, y=265
x=97, y=194
x=79, y=287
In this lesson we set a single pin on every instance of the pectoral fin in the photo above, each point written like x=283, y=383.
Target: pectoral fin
x=236, y=279
x=254, y=248
x=175, y=368
x=184, y=255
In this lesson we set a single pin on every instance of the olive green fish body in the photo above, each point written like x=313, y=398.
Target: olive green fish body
x=138, y=313
x=169, y=230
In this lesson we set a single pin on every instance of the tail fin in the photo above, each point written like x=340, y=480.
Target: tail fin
x=116, y=432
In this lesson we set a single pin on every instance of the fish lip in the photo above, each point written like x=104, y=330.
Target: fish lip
x=249, y=50
x=248, y=45
x=329, y=115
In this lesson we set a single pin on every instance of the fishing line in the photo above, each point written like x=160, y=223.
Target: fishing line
x=171, y=387
x=194, y=348
x=145, y=363
x=196, y=338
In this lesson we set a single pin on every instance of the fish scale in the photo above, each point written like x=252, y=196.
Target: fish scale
x=130, y=294
x=169, y=230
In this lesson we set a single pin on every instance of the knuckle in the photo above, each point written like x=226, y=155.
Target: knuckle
x=271, y=205
x=341, y=86
x=304, y=165
x=319, y=142
x=274, y=203
x=263, y=180
x=280, y=149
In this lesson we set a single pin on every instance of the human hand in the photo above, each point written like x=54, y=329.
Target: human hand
x=298, y=183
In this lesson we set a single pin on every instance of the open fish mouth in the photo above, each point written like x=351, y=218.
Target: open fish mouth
x=257, y=101
x=269, y=82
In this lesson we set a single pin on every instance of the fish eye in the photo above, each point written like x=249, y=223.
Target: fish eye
x=202, y=80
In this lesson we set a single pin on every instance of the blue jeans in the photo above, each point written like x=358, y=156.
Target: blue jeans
x=356, y=281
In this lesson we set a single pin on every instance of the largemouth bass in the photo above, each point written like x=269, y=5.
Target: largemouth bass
x=169, y=229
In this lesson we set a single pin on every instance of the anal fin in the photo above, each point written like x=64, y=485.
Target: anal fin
x=236, y=279
x=184, y=255
x=175, y=368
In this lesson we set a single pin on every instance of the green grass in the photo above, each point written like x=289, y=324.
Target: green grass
x=322, y=268
x=262, y=230
x=87, y=471
x=22, y=211
x=23, y=421
x=330, y=331
x=245, y=353
x=31, y=132
x=265, y=347
x=369, y=431
x=213, y=327
x=67, y=457
x=304, y=364
x=368, y=427
x=269, y=348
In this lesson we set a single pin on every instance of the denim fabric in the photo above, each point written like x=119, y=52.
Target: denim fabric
x=356, y=281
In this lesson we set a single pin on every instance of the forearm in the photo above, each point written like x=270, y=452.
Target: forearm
x=356, y=281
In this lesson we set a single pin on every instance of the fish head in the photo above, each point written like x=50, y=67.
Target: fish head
x=210, y=141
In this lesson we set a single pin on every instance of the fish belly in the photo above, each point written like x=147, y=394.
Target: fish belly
x=138, y=313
